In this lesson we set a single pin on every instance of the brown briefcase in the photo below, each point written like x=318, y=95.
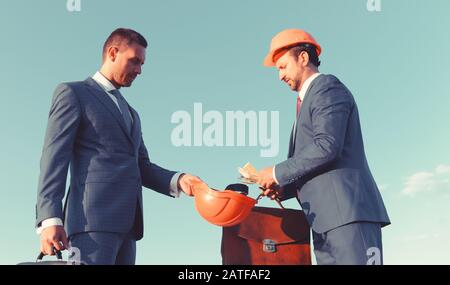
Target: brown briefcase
x=268, y=236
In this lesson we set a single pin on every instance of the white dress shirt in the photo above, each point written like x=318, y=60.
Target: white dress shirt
x=108, y=86
x=302, y=95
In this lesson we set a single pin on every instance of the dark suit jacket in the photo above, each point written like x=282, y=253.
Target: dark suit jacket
x=326, y=167
x=108, y=165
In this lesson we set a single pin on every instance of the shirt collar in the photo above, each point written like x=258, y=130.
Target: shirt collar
x=103, y=82
x=306, y=84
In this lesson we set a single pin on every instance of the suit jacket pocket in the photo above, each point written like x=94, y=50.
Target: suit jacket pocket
x=349, y=190
x=333, y=198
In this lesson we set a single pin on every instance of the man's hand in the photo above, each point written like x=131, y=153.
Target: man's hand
x=273, y=193
x=266, y=179
x=53, y=237
x=186, y=183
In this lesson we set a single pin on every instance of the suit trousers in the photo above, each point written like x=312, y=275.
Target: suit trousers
x=105, y=248
x=356, y=243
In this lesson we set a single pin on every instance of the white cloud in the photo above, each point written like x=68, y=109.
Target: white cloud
x=428, y=181
x=442, y=169
x=420, y=237
x=419, y=182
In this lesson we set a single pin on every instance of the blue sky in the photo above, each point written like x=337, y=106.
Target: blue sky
x=394, y=61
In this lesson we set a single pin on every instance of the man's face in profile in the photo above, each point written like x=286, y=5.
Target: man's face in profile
x=290, y=70
x=128, y=64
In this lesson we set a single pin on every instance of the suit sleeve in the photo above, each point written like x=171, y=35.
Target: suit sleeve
x=330, y=111
x=63, y=122
x=152, y=175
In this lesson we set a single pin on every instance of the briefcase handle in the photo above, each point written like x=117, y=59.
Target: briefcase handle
x=276, y=199
x=57, y=253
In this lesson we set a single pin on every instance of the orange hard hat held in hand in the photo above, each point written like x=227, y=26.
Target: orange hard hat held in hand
x=222, y=208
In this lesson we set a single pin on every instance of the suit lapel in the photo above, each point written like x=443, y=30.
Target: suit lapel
x=136, y=128
x=291, y=142
x=101, y=95
x=294, y=131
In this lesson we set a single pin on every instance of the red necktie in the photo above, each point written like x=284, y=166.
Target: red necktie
x=299, y=104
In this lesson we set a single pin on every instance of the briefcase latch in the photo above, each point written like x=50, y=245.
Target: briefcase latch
x=269, y=246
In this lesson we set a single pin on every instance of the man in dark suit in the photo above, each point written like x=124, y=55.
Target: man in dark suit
x=326, y=169
x=92, y=128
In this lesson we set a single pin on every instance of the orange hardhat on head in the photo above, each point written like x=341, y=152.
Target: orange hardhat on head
x=222, y=208
x=289, y=38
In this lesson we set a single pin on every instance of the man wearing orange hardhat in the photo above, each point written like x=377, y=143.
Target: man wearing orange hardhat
x=326, y=169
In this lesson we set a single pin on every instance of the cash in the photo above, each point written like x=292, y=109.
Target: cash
x=249, y=174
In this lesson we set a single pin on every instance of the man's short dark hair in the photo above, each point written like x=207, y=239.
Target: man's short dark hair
x=123, y=36
x=310, y=49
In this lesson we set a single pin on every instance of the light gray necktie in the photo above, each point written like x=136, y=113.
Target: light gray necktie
x=123, y=108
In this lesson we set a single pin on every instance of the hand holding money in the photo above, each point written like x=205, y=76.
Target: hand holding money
x=250, y=175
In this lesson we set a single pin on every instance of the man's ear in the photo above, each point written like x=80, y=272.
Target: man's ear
x=112, y=53
x=304, y=58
